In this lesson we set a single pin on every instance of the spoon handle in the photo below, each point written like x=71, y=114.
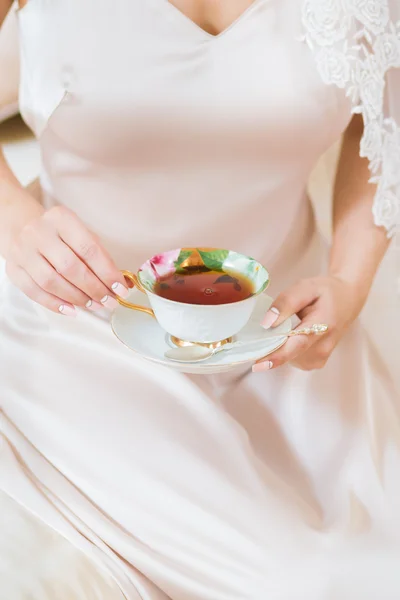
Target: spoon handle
x=243, y=344
x=313, y=330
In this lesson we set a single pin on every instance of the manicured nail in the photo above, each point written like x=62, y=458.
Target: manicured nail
x=109, y=302
x=93, y=305
x=263, y=366
x=270, y=318
x=66, y=310
x=120, y=289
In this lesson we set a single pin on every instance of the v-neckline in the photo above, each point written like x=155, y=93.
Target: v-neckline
x=235, y=23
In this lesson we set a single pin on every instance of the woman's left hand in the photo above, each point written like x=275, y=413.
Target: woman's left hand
x=321, y=300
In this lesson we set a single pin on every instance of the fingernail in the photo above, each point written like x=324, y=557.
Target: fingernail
x=66, y=310
x=263, y=366
x=120, y=289
x=109, y=302
x=270, y=318
x=93, y=305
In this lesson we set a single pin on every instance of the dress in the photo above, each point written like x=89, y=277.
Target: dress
x=281, y=485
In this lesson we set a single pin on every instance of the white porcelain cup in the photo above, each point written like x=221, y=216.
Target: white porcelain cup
x=198, y=323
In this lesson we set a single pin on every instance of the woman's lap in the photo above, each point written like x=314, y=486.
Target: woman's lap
x=37, y=563
x=147, y=464
x=190, y=484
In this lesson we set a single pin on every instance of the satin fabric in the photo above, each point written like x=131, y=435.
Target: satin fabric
x=278, y=485
x=59, y=571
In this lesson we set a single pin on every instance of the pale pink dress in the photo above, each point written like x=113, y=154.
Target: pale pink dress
x=277, y=486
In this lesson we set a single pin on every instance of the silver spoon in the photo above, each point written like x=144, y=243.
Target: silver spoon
x=195, y=354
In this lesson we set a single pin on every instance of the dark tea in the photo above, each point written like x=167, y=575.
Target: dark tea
x=205, y=287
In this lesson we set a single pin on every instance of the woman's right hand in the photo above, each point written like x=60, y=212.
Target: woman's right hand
x=57, y=262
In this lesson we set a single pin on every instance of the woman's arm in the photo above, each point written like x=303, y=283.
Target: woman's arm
x=358, y=247
x=17, y=207
x=5, y=6
x=51, y=256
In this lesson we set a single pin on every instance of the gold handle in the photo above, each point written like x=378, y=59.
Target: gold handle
x=319, y=329
x=134, y=279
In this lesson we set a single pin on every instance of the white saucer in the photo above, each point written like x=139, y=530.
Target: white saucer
x=143, y=335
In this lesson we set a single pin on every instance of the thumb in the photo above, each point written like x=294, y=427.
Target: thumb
x=290, y=302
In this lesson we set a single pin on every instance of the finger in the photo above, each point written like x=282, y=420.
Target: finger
x=86, y=246
x=45, y=276
x=290, y=302
x=318, y=355
x=294, y=347
x=33, y=291
x=73, y=270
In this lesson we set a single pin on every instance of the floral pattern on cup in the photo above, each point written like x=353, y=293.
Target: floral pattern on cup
x=214, y=259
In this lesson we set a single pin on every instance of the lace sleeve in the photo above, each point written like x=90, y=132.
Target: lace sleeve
x=356, y=44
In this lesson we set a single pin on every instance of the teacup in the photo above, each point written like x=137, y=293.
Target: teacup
x=198, y=323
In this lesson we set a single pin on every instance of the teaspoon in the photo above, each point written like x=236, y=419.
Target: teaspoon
x=195, y=354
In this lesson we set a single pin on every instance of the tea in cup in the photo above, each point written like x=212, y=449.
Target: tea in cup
x=200, y=295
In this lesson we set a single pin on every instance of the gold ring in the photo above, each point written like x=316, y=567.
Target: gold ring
x=313, y=330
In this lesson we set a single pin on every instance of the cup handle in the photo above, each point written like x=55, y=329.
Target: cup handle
x=134, y=279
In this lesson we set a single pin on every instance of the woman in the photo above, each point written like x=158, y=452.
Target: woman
x=157, y=122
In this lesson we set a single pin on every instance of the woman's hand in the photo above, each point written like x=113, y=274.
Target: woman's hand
x=323, y=300
x=56, y=261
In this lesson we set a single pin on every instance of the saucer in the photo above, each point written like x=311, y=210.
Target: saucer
x=144, y=336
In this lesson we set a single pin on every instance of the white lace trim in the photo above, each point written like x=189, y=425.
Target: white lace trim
x=355, y=45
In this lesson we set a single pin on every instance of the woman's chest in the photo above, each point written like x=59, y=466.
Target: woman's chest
x=141, y=79
x=213, y=16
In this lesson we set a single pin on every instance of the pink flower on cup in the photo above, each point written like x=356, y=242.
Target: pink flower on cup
x=162, y=264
